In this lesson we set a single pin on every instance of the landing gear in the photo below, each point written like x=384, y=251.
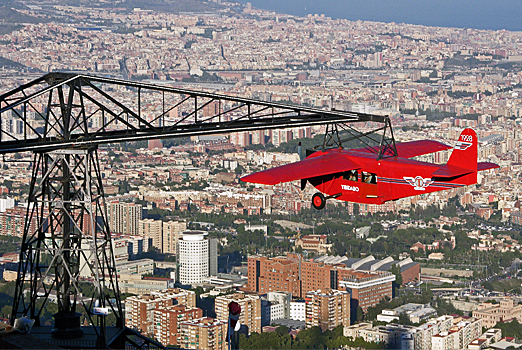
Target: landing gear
x=318, y=201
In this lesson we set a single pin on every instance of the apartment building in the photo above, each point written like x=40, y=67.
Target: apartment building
x=275, y=306
x=167, y=322
x=400, y=336
x=152, y=229
x=250, y=309
x=271, y=311
x=137, y=284
x=139, y=311
x=283, y=298
x=463, y=332
x=178, y=296
x=12, y=222
x=491, y=336
x=136, y=245
x=164, y=235
x=193, y=257
x=171, y=233
x=395, y=336
x=203, y=333
x=354, y=331
x=124, y=217
x=297, y=310
x=422, y=335
x=327, y=309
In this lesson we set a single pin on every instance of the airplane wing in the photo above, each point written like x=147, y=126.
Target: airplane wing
x=486, y=165
x=411, y=149
x=449, y=171
x=327, y=163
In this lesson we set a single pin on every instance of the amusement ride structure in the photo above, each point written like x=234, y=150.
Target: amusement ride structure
x=62, y=118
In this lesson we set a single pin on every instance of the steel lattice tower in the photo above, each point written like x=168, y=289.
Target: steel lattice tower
x=71, y=237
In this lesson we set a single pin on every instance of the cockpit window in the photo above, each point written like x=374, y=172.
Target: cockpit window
x=350, y=175
x=368, y=178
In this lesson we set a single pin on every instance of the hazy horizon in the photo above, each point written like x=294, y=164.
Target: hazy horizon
x=479, y=14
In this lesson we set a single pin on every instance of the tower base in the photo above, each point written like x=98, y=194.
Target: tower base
x=67, y=325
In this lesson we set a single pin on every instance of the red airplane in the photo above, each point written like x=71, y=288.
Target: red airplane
x=364, y=176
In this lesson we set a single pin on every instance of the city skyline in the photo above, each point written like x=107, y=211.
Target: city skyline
x=186, y=237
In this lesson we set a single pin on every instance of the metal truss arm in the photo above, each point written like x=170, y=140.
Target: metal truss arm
x=61, y=110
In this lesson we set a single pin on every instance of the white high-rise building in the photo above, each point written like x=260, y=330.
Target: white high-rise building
x=193, y=256
x=6, y=203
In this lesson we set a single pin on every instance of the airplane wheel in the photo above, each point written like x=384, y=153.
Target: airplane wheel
x=318, y=201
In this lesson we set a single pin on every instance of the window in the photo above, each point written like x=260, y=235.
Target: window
x=350, y=175
x=369, y=178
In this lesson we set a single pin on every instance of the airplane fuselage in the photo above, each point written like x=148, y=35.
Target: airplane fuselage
x=379, y=181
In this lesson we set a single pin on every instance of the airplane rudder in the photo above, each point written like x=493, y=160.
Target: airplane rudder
x=464, y=153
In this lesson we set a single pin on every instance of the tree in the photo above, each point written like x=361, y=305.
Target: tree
x=283, y=330
x=511, y=329
x=488, y=285
x=360, y=314
x=356, y=210
x=445, y=307
x=396, y=270
x=404, y=319
x=6, y=311
x=311, y=338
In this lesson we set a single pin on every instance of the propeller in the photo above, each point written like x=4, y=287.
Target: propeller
x=300, y=151
x=301, y=157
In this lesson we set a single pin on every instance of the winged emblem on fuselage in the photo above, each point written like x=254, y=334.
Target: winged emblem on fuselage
x=419, y=183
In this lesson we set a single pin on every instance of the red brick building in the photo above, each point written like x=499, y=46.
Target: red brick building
x=299, y=276
x=327, y=309
x=167, y=322
x=367, y=288
x=277, y=274
x=12, y=222
x=139, y=311
x=250, y=304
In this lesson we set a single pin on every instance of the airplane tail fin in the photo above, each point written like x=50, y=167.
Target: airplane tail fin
x=464, y=153
x=463, y=160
